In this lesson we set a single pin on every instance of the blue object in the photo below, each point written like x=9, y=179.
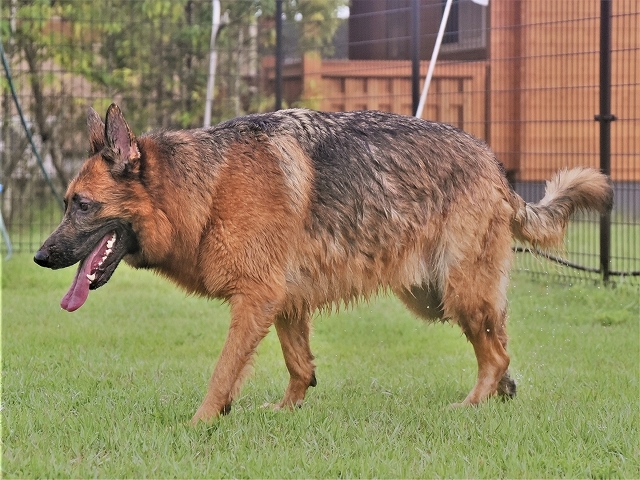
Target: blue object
x=5, y=234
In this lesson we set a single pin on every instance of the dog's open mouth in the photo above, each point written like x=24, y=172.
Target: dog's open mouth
x=94, y=271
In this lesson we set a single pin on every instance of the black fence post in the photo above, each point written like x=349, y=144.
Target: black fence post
x=278, y=86
x=605, y=118
x=415, y=55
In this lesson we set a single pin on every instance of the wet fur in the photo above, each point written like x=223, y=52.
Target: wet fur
x=285, y=213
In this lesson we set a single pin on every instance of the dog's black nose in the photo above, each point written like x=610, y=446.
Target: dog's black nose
x=41, y=258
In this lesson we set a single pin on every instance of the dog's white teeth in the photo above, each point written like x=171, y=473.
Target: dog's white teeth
x=107, y=252
x=111, y=241
x=91, y=277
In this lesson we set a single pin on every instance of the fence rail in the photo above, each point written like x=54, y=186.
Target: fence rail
x=527, y=76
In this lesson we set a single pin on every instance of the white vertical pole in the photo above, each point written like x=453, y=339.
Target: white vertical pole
x=213, y=62
x=434, y=58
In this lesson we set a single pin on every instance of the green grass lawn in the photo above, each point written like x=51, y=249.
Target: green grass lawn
x=108, y=390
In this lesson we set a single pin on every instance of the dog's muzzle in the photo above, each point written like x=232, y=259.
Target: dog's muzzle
x=42, y=258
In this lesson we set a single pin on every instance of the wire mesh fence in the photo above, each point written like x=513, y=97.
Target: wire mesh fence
x=521, y=74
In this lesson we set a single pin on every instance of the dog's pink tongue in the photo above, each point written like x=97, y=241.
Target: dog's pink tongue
x=79, y=291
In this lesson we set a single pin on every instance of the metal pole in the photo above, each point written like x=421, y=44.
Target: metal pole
x=213, y=62
x=5, y=234
x=27, y=130
x=434, y=58
x=605, y=118
x=415, y=55
x=278, y=54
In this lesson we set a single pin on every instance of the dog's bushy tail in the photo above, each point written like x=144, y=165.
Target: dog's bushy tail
x=543, y=224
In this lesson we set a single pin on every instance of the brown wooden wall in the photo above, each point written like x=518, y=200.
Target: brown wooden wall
x=544, y=89
x=457, y=92
x=533, y=101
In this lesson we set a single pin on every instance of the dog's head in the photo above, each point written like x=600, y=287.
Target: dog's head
x=97, y=229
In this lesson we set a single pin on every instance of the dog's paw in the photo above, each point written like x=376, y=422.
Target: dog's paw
x=207, y=415
x=507, y=387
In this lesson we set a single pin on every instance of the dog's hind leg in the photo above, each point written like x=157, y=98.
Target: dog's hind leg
x=492, y=358
x=426, y=302
x=475, y=299
x=250, y=322
x=293, y=332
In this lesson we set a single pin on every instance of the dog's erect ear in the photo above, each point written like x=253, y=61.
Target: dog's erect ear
x=122, y=147
x=96, y=131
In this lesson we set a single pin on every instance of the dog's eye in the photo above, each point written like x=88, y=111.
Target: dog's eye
x=84, y=206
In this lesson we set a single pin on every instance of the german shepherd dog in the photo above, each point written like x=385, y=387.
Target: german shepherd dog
x=287, y=213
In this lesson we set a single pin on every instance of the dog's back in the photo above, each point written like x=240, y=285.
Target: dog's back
x=361, y=200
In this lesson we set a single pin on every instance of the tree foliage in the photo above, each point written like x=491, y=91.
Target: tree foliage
x=150, y=56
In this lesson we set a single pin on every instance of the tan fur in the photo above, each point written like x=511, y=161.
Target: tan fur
x=543, y=225
x=287, y=213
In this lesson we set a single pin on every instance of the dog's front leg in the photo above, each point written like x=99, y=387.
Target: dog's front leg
x=250, y=322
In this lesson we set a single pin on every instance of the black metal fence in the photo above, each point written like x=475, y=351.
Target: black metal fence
x=528, y=76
